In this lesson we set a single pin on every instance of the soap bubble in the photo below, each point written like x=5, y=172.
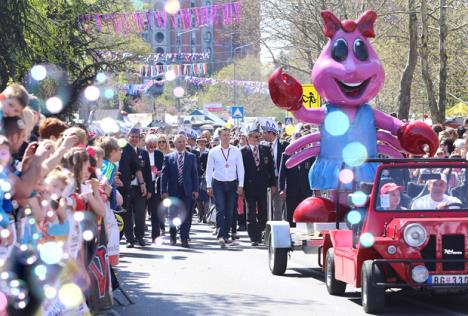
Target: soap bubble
x=367, y=240
x=88, y=235
x=122, y=142
x=109, y=125
x=179, y=92
x=38, y=72
x=101, y=77
x=354, y=154
x=346, y=176
x=70, y=295
x=92, y=93
x=109, y=93
x=173, y=210
x=359, y=198
x=27, y=255
x=170, y=75
x=51, y=252
x=172, y=7
x=54, y=105
x=354, y=217
x=336, y=123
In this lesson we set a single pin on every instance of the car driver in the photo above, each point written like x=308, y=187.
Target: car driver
x=436, y=199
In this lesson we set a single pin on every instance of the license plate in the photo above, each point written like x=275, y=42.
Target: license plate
x=448, y=279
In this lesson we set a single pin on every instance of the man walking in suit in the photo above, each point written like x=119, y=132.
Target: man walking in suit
x=259, y=175
x=294, y=185
x=135, y=174
x=156, y=159
x=225, y=180
x=179, y=179
x=277, y=147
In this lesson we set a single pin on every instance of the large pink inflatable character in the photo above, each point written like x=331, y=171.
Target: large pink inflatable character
x=347, y=74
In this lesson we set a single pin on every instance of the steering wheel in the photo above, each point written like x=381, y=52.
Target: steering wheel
x=460, y=205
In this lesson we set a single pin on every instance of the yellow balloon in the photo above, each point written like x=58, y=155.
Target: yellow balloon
x=289, y=130
x=228, y=125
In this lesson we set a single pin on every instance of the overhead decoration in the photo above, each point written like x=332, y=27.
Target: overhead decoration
x=249, y=86
x=138, y=22
x=153, y=71
x=157, y=58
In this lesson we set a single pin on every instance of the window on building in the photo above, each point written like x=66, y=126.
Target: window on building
x=159, y=37
x=207, y=50
x=207, y=36
x=159, y=50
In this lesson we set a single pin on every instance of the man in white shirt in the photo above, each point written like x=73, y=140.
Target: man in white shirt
x=224, y=181
x=436, y=199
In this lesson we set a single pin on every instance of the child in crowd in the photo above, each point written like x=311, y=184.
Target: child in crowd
x=13, y=100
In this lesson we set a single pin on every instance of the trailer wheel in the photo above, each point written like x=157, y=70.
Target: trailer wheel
x=334, y=286
x=277, y=258
x=373, y=297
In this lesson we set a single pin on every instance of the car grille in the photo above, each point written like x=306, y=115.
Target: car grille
x=429, y=253
x=453, y=247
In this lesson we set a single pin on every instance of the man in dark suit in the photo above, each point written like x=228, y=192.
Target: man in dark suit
x=259, y=175
x=179, y=179
x=135, y=174
x=294, y=185
x=156, y=159
x=277, y=147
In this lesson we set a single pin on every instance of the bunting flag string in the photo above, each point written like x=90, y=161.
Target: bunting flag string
x=138, y=22
x=156, y=58
x=153, y=71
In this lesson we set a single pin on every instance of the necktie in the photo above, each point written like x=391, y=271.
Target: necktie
x=256, y=156
x=180, y=168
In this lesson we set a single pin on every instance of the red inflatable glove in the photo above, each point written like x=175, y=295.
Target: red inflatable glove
x=414, y=136
x=285, y=91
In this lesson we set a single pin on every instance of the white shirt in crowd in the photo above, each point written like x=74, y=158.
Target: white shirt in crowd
x=427, y=203
x=151, y=159
x=218, y=168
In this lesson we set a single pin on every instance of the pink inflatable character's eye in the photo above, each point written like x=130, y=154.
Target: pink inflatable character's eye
x=340, y=50
x=360, y=50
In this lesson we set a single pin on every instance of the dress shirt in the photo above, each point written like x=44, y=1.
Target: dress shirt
x=216, y=165
x=274, y=148
x=135, y=181
x=151, y=158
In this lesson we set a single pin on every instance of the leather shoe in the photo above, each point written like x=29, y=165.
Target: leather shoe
x=185, y=244
x=131, y=245
x=173, y=241
x=254, y=243
x=142, y=242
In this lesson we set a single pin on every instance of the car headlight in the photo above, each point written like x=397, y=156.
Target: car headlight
x=415, y=235
x=419, y=274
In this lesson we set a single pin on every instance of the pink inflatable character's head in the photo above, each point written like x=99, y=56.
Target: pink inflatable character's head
x=348, y=71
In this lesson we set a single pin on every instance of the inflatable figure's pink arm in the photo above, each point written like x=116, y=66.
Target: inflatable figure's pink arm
x=387, y=122
x=301, y=156
x=413, y=137
x=390, y=139
x=302, y=142
x=313, y=116
x=389, y=151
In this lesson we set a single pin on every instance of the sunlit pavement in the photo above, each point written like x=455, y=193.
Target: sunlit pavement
x=208, y=280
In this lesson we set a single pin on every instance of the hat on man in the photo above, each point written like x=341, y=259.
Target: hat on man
x=253, y=128
x=134, y=130
x=201, y=139
x=389, y=187
x=190, y=133
x=269, y=126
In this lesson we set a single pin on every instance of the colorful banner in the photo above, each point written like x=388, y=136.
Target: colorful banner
x=156, y=58
x=138, y=22
x=153, y=71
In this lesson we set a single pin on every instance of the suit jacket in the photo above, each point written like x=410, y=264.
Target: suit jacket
x=203, y=163
x=257, y=181
x=279, y=152
x=128, y=166
x=169, y=175
x=294, y=180
x=158, y=162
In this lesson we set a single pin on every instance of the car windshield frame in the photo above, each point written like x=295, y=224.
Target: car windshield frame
x=408, y=166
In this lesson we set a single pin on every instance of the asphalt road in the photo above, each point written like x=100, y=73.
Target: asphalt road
x=206, y=280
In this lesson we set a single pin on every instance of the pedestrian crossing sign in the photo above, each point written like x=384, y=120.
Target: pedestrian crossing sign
x=288, y=120
x=237, y=112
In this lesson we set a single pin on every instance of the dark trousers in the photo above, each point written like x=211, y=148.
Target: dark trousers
x=153, y=204
x=292, y=201
x=186, y=219
x=256, y=215
x=134, y=218
x=225, y=194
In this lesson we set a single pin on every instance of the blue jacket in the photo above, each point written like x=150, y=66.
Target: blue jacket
x=169, y=175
